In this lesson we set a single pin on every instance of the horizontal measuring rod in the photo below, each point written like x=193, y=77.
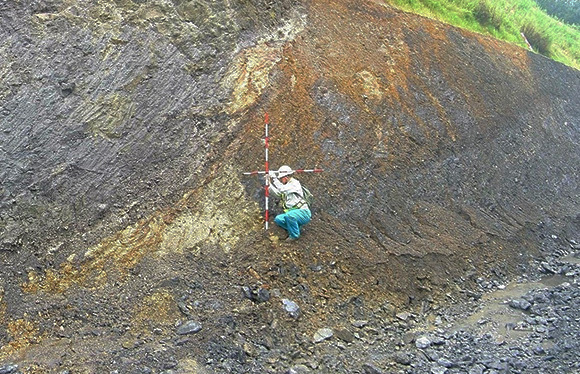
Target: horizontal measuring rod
x=275, y=172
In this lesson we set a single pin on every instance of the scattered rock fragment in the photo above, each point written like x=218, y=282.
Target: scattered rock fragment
x=404, y=316
x=371, y=369
x=495, y=364
x=291, y=308
x=256, y=294
x=344, y=335
x=323, y=334
x=548, y=268
x=520, y=304
x=409, y=337
x=438, y=369
x=402, y=358
x=298, y=369
x=8, y=369
x=250, y=349
x=360, y=323
x=189, y=327
x=477, y=369
x=445, y=362
x=423, y=342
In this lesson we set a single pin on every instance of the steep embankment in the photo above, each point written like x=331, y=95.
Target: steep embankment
x=449, y=158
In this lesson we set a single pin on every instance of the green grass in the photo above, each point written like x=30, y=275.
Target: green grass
x=505, y=20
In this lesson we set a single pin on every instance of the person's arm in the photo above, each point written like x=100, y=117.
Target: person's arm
x=275, y=185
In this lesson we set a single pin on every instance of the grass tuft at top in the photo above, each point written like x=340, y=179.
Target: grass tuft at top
x=516, y=21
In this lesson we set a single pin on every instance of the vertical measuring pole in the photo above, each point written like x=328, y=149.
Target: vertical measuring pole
x=267, y=169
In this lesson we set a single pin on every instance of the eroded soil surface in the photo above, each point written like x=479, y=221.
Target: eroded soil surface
x=445, y=225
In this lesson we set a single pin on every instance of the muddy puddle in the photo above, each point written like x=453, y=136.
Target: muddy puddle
x=503, y=322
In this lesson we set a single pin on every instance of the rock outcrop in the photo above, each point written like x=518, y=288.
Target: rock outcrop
x=125, y=219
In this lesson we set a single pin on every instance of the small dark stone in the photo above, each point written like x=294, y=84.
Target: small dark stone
x=402, y=358
x=182, y=341
x=256, y=294
x=344, y=335
x=371, y=369
x=477, y=369
x=520, y=304
x=67, y=89
x=539, y=350
x=170, y=364
x=495, y=364
x=445, y=363
x=263, y=295
x=247, y=292
x=409, y=337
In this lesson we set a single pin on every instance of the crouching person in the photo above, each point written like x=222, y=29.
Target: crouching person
x=296, y=210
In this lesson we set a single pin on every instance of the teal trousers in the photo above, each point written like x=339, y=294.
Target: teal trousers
x=292, y=220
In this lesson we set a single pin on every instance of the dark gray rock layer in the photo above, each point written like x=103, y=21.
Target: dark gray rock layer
x=128, y=233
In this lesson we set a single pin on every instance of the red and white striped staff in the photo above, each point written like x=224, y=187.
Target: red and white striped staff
x=267, y=171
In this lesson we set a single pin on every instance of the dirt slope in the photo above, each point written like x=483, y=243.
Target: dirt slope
x=449, y=158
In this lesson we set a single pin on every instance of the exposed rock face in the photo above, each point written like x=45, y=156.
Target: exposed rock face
x=112, y=110
x=125, y=126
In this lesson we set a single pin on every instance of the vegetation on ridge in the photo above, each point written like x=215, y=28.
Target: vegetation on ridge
x=507, y=20
x=565, y=10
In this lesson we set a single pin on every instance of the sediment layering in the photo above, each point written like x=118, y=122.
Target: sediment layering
x=132, y=243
